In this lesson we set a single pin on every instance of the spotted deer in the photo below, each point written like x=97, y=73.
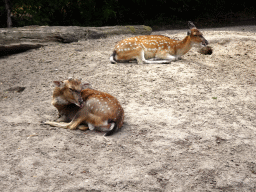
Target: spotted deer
x=81, y=107
x=161, y=48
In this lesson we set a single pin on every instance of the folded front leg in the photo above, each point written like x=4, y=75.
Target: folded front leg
x=57, y=124
x=142, y=59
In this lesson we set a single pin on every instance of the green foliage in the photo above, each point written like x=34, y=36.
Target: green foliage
x=117, y=12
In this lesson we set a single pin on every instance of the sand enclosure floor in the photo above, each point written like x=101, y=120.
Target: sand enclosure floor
x=189, y=125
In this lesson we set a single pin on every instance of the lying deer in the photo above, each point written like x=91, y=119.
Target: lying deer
x=78, y=104
x=143, y=48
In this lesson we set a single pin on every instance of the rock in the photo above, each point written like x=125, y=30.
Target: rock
x=18, y=39
x=16, y=89
x=207, y=50
x=40, y=34
x=17, y=48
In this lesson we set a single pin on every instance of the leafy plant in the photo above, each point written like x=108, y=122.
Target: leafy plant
x=116, y=12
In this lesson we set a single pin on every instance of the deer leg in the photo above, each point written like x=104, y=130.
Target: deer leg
x=162, y=54
x=142, y=58
x=99, y=124
x=72, y=125
x=91, y=126
x=171, y=57
x=83, y=127
x=109, y=128
x=76, y=121
x=57, y=124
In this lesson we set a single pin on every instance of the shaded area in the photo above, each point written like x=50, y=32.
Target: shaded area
x=112, y=12
x=16, y=89
x=16, y=48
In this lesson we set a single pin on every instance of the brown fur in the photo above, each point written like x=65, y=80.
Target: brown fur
x=81, y=105
x=142, y=48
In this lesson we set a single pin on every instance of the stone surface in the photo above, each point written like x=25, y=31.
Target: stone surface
x=19, y=39
x=39, y=34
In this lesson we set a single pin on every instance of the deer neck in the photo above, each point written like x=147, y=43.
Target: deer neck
x=86, y=93
x=182, y=47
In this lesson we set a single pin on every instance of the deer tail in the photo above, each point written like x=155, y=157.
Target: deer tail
x=113, y=57
x=112, y=129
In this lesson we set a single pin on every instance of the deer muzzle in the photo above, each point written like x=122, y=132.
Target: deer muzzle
x=205, y=42
x=78, y=100
x=80, y=103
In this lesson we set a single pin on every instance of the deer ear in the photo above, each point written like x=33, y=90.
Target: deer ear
x=191, y=25
x=58, y=83
x=86, y=86
x=188, y=33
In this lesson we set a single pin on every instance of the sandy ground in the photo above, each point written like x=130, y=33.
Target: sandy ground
x=189, y=125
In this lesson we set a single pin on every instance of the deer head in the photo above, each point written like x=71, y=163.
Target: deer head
x=195, y=35
x=71, y=90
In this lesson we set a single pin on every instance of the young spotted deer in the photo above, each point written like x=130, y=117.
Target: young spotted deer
x=78, y=104
x=143, y=48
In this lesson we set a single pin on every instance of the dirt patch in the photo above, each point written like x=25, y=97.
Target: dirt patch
x=189, y=125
